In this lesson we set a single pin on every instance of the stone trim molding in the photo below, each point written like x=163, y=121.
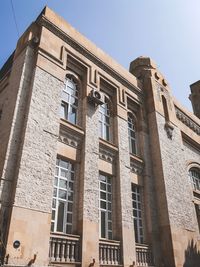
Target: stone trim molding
x=106, y=155
x=136, y=166
x=43, y=21
x=187, y=121
x=69, y=138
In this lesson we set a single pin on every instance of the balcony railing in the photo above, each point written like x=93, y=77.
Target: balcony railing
x=64, y=249
x=109, y=252
x=144, y=256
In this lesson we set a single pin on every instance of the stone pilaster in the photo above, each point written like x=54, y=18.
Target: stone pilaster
x=31, y=213
x=124, y=180
x=90, y=185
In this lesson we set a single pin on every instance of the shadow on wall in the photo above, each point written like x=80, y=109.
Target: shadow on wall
x=192, y=255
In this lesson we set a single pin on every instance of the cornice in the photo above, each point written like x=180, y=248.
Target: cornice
x=43, y=21
x=187, y=121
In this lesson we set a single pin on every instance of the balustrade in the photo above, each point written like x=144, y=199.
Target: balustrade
x=144, y=256
x=64, y=248
x=109, y=252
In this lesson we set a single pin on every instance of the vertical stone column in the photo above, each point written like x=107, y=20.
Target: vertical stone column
x=124, y=180
x=33, y=188
x=90, y=176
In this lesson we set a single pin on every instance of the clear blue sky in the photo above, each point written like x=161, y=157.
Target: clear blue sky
x=168, y=31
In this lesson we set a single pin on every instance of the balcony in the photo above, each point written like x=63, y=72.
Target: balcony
x=144, y=256
x=109, y=252
x=64, y=249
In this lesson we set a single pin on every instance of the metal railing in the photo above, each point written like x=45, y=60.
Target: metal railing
x=64, y=248
x=144, y=256
x=109, y=252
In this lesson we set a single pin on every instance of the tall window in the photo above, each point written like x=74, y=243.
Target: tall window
x=197, y=209
x=69, y=104
x=195, y=178
x=62, y=204
x=132, y=134
x=137, y=214
x=104, y=120
x=105, y=203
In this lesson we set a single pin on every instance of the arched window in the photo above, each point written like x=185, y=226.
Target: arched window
x=195, y=178
x=132, y=134
x=105, y=120
x=69, y=104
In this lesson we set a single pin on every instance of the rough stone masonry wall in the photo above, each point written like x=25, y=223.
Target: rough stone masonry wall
x=35, y=179
x=182, y=218
x=177, y=183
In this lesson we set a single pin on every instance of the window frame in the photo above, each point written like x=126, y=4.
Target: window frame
x=132, y=134
x=68, y=201
x=108, y=210
x=68, y=94
x=138, y=220
x=195, y=179
x=105, y=119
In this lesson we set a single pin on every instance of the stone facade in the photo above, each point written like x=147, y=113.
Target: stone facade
x=128, y=197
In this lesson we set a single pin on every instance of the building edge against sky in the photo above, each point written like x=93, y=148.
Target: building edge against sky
x=98, y=165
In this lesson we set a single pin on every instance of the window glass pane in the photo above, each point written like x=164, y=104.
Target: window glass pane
x=64, y=164
x=70, y=205
x=103, y=195
x=52, y=226
x=65, y=96
x=71, y=186
x=57, y=171
x=53, y=215
x=109, y=226
x=62, y=194
x=109, y=235
x=103, y=186
x=103, y=224
x=63, y=173
x=70, y=196
x=60, y=218
x=68, y=228
x=72, y=115
x=63, y=184
x=55, y=181
x=109, y=216
x=103, y=205
x=109, y=188
x=55, y=192
x=53, y=203
x=69, y=218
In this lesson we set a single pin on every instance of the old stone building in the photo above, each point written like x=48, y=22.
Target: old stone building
x=99, y=166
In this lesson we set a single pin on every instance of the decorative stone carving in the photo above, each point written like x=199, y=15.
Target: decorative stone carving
x=136, y=166
x=106, y=154
x=69, y=139
x=187, y=121
x=169, y=129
